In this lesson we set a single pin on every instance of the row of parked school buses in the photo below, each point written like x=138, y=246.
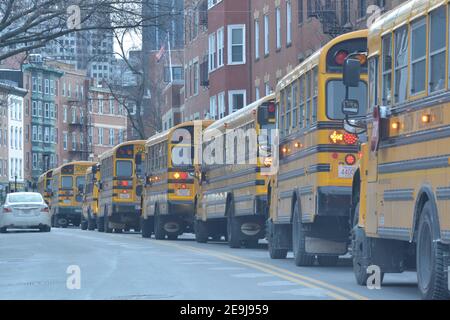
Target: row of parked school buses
x=350, y=151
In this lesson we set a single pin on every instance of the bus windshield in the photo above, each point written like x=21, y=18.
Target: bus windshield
x=66, y=182
x=336, y=95
x=124, y=168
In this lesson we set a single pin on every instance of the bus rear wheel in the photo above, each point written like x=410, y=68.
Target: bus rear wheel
x=201, y=231
x=159, y=231
x=83, y=224
x=431, y=273
x=147, y=228
x=101, y=224
x=233, y=228
x=301, y=257
x=274, y=252
x=107, y=229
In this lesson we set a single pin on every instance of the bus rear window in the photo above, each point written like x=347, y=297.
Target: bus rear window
x=124, y=168
x=66, y=182
x=336, y=95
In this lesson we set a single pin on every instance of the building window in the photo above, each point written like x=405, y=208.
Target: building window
x=100, y=104
x=236, y=44
x=47, y=134
x=65, y=114
x=266, y=35
x=46, y=110
x=418, y=56
x=39, y=133
x=34, y=80
x=300, y=11
x=212, y=52
x=65, y=140
x=100, y=136
x=39, y=84
x=196, y=77
x=237, y=100
x=39, y=108
x=120, y=136
x=111, y=137
x=256, y=39
x=213, y=107
x=35, y=161
x=74, y=141
x=220, y=47
x=221, y=104
x=34, y=111
x=288, y=23
x=34, y=134
x=278, y=26
x=47, y=86
x=362, y=8
x=257, y=93
x=111, y=105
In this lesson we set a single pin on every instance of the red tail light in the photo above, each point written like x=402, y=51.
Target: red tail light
x=45, y=210
x=180, y=175
x=124, y=183
x=6, y=210
x=271, y=107
x=350, y=159
x=350, y=138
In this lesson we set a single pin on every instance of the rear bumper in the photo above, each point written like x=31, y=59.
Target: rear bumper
x=72, y=214
x=333, y=201
x=181, y=208
x=126, y=214
x=12, y=221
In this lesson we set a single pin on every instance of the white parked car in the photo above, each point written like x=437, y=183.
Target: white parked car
x=25, y=210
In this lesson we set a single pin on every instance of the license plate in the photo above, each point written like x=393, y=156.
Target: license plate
x=124, y=196
x=346, y=172
x=183, y=192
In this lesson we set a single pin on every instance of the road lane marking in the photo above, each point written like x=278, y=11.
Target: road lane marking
x=276, y=284
x=281, y=273
x=316, y=293
x=251, y=275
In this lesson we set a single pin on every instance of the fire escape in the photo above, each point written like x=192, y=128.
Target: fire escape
x=334, y=15
x=79, y=122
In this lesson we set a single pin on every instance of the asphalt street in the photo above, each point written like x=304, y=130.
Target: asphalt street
x=75, y=264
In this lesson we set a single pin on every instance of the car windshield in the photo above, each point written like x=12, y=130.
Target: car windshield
x=124, y=168
x=67, y=182
x=25, y=197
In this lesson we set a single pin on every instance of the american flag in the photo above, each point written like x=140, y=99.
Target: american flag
x=161, y=51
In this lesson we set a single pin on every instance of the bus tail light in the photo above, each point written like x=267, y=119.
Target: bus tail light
x=124, y=183
x=180, y=175
x=340, y=57
x=350, y=138
x=45, y=210
x=350, y=159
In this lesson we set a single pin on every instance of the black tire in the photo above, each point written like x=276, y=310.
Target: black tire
x=301, y=257
x=172, y=236
x=201, y=231
x=274, y=253
x=45, y=229
x=91, y=224
x=430, y=254
x=147, y=228
x=107, y=229
x=233, y=228
x=136, y=229
x=84, y=225
x=101, y=224
x=62, y=222
x=4, y=230
x=328, y=261
x=160, y=233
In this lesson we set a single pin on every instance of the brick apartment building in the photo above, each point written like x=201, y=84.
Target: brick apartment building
x=107, y=120
x=236, y=51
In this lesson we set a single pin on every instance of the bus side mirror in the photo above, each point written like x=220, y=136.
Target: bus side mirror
x=352, y=73
x=138, y=159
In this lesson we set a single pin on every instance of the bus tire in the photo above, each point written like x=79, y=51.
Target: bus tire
x=301, y=257
x=101, y=224
x=147, y=228
x=233, y=228
x=360, y=251
x=201, y=231
x=160, y=233
x=83, y=225
x=274, y=253
x=430, y=255
x=328, y=261
x=108, y=229
x=91, y=224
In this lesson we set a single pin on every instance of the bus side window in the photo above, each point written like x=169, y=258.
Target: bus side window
x=438, y=43
x=315, y=93
x=418, y=56
x=301, y=111
x=373, y=83
x=282, y=113
x=308, y=100
x=387, y=69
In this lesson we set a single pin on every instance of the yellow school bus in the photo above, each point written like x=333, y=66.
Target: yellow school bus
x=90, y=198
x=171, y=184
x=401, y=192
x=121, y=188
x=232, y=200
x=67, y=190
x=44, y=185
x=310, y=195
